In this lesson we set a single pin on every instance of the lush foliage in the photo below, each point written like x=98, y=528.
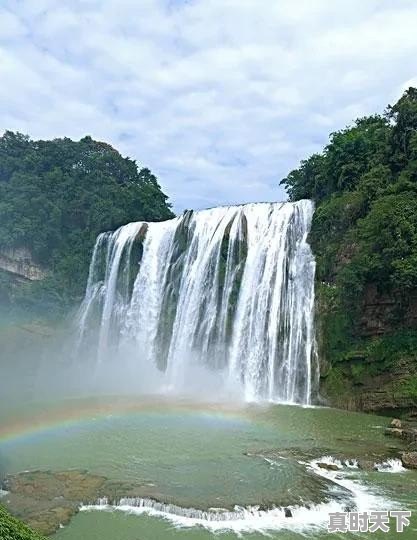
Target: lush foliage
x=13, y=529
x=56, y=196
x=365, y=186
x=364, y=231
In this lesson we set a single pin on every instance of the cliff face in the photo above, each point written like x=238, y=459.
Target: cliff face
x=19, y=262
x=374, y=370
x=381, y=312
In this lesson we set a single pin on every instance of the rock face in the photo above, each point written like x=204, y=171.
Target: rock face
x=371, y=366
x=379, y=312
x=19, y=261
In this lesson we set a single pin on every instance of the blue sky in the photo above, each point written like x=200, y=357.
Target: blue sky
x=220, y=98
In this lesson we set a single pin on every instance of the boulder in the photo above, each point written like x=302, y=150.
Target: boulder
x=396, y=423
x=287, y=512
x=328, y=466
x=409, y=460
x=366, y=464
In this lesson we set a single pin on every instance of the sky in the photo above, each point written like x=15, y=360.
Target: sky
x=219, y=98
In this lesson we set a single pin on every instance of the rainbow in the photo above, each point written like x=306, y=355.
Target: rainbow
x=48, y=418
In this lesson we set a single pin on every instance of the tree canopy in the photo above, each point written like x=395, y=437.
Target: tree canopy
x=364, y=237
x=56, y=196
x=364, y=184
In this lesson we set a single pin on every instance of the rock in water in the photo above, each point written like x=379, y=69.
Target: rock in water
x=394, y=432
x=409, y=460
x=328, y=466
x=396, y=423
x=287, y=512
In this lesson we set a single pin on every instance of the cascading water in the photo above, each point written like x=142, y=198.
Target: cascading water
x=228, y=290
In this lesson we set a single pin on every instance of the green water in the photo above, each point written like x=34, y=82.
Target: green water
x=200, y=456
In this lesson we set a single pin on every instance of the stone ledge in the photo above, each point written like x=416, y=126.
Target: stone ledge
x=19, y=262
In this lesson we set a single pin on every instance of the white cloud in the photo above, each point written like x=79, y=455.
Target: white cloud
x=220, y=98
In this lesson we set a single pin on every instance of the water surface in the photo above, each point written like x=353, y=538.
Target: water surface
x=200, y=456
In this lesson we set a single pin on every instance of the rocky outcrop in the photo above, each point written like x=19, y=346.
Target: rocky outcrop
x=407, y=431
x=374, y=394
x=47, y=500
x=409, y=460
x=371, y=364
x=19, y=262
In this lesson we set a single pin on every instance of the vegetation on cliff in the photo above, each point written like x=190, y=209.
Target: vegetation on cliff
x=55, y=197
x=13, y=529
x=364, y=236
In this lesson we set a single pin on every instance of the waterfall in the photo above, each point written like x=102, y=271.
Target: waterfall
x=226, y=291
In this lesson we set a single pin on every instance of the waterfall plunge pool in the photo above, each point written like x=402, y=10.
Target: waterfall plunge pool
x=216, y=468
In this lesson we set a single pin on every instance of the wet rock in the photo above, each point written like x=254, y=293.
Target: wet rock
x=409, y=460
x=287, y=513
x=265, y=506
x=407, y=432
x=412, y=436
x=394, y=432
x=396, y=423
x=46, y=500
x=366, y=464
x=71, y=485
x=328, y=466
x=49, y=521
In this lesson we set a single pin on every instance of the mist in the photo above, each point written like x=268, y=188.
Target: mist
x=42, y=363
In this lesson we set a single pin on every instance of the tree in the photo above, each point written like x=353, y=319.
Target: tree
x=56, y=196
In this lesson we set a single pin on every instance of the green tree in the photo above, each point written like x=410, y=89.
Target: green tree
x=364, y=237
x=56, y=196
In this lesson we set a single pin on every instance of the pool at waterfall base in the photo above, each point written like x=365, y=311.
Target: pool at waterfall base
x=195, y=469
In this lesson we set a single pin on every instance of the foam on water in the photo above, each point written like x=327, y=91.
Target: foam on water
x=359, y=497
x=390, y=466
